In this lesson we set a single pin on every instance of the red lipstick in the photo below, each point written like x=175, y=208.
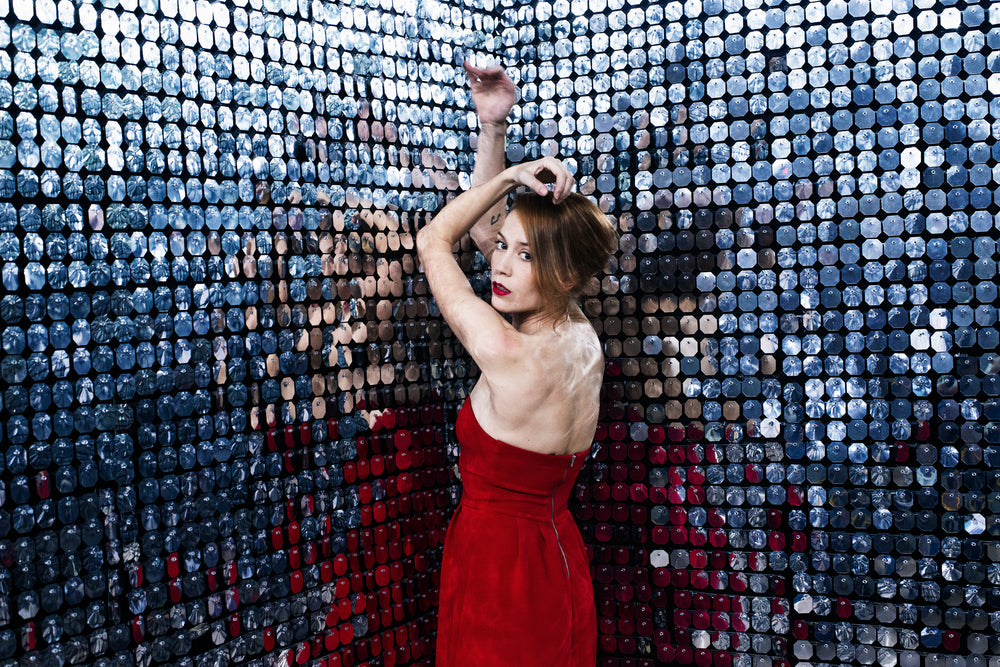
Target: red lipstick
x=500, y=290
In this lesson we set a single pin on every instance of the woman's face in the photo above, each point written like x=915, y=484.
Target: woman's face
x=514, y=289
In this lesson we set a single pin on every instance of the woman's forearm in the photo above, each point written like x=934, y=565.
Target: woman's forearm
x=490, y=150
x=462, y=213
x=490, y=154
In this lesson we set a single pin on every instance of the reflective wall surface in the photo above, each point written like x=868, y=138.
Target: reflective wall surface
x=799, y=460
x=223, y=387
x=226, y=396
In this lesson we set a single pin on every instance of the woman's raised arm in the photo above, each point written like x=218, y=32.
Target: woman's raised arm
x=494, y=95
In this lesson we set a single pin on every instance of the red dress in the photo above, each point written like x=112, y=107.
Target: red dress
x=515, y=579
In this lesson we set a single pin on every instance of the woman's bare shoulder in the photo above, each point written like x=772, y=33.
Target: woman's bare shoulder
x=581, y=342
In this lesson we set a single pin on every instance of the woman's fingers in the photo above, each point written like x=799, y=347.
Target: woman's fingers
x=557, y=185
x=563, y=180
x=540, y=188
x=473, y=73
x=562, y=191
x=479, y=74
x=538, y=185
x=492, y=71
x=532, y=177
x=564, y=183
x=538, y=173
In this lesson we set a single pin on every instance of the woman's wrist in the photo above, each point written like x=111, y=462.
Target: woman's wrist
x=496, y=126
x=506, y=180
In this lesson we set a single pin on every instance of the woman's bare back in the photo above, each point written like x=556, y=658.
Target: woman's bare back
x=548, y=400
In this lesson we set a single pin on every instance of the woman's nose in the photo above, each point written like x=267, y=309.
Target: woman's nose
x=501, y=263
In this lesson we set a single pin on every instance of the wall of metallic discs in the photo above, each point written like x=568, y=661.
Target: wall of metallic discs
x=798, y=459
x=226, y=394
x=223, y=387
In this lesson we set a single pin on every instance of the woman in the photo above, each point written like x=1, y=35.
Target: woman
x=515, y=581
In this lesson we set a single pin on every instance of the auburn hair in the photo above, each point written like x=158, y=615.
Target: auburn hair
x=570, y=243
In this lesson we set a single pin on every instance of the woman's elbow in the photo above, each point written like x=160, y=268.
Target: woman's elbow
x=422, y=241
x=428, y=241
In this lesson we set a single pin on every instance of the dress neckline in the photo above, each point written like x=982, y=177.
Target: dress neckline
x=475, y=420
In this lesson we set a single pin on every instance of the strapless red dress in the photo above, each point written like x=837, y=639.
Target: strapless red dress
x=515, y=581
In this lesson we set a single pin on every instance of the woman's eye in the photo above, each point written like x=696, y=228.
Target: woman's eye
x=526, y=256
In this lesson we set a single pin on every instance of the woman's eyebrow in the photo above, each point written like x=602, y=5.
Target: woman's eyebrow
x=505, y=240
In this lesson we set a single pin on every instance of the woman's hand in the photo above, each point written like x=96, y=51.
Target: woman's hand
x=493, y=93
x=537, y=173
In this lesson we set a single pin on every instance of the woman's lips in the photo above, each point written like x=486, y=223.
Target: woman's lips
x=500, y=290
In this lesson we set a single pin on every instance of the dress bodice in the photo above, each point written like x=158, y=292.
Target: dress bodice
x=512, y=479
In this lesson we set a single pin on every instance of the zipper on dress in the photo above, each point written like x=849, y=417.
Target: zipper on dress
x=566, y=472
